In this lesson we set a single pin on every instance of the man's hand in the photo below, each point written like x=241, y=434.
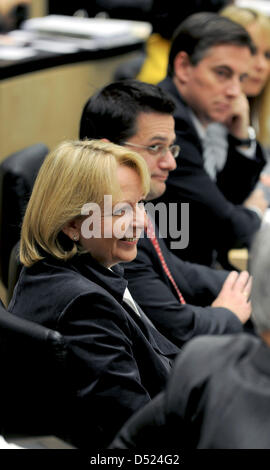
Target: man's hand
x=256, y=200
x=238, y=120
x=265, y=179
x=235, y=294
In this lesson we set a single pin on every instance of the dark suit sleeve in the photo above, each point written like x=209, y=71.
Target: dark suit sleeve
x=240, y=174
x=106, y=376
x=215, y=223
x=174, y=419
x=192, y=386
x=190, y=182
x=179, y=323
x=146, y=429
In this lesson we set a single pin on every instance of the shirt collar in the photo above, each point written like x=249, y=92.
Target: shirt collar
x=111, y=279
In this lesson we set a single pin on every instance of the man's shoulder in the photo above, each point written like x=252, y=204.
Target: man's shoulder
x=167, y=84
x=215, y=350
x=205, y=357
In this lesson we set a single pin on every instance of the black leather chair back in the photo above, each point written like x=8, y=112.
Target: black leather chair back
x=17, y=176
x=14, y=270
x=35, y=393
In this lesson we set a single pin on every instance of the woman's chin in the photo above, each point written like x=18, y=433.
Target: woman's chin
x=128, y=255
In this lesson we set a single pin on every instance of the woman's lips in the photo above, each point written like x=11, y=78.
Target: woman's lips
x=129, y=240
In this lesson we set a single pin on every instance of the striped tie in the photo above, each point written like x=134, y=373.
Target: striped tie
x=154, y=240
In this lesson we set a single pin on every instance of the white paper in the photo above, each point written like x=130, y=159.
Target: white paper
x=96, y=28
x=88, y=27
x=54, y=46
x=16, y=53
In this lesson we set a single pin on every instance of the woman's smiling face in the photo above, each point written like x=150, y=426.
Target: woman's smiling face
x=125, y=223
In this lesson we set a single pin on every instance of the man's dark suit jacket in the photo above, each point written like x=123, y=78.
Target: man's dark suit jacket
x=217, y=221
x=218, y=397
x=156, y=295
x=118, y=361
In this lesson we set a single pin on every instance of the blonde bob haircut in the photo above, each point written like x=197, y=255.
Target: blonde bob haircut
x=259, y=105
x=246, y=17
x=73, y=174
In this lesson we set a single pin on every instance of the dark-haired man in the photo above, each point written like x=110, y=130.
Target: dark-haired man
x=208, y=61
x=183, y=300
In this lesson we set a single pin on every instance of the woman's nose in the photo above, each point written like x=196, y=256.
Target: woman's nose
x=145, y=222
x=262, y=62
x=140, y=218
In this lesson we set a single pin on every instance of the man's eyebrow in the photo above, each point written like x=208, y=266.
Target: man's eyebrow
x=225, y=67
x=158, y=137
x=162, y=138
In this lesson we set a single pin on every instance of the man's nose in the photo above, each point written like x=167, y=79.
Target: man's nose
x=235, y=87
x=168, y=162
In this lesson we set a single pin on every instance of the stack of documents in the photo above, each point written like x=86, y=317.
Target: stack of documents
x=89, y=33
x=61, y=34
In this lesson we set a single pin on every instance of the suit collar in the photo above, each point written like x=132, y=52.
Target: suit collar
x=181, y=106
x=184, y=124
x=111, y=279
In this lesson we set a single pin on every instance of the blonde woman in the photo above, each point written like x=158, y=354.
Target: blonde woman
x=84, y=217
x=257, y=85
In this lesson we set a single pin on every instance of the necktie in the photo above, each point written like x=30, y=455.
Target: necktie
x=154, y=240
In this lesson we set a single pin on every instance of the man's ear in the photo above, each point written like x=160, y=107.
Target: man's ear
x=182, y=67
x=72, y=229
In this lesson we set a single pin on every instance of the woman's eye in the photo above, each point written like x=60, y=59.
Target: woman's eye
x=121, y=210
x=118, y=211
